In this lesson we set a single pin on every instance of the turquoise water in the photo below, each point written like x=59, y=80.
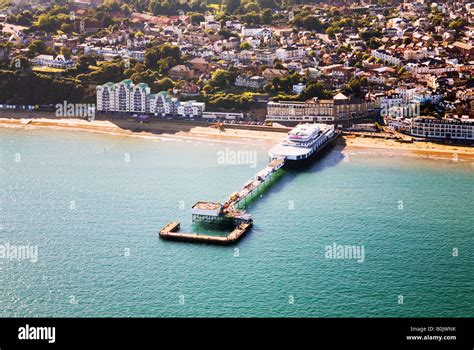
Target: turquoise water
x=94, y=217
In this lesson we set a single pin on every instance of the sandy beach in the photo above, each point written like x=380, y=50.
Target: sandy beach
x=195, y=131
x=153, y=129
x=418, y=149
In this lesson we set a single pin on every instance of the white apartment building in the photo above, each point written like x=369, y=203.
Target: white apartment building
x=126, y=97
x=290, y=52
x=450, y=128
x=417, y=55
x=387, y=57
x=254, y=82
x=250, y=31
x=113, y=52
x=53, y=62
x=211, y=25
x=377, y=79
x=161, y=105
x=138, y=97
x=235, y=25
x=229, y=55
x=265, y=56
x=258, y=32
x=424, y=69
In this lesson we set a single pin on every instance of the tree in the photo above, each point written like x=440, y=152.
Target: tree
x=222, y=78
x=251, y=18
x=313, y=90
x=267, y=4
x=22, y=87
x=267, y=16
x=37, y=47
x=125, y=9
x=164, y=84
x=226, y=33
x=458, y=24
x=24, y=18
x=245, y=45
x=197, y=18
x=162, y=57
x=231, y=5
x=66, y=52
x=366, y=35
x=330, y=32
x=83, y=63
x=353, y=87
x=252, y=7
x=67, y=28
x=147, y=77
x=107, y=21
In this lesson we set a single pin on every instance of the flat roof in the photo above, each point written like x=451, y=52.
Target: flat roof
x=206, y=208
x=207, y=205
x=284, y=150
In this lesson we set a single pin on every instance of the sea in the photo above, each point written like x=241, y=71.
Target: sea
x=357, y=234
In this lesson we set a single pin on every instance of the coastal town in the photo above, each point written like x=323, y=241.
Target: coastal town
x=402, y=67
x=303, y=159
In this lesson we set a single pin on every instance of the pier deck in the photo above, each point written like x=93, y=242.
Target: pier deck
x=169, y=232
x=219, y=213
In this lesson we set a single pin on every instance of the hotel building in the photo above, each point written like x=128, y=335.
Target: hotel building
x=449, y=129
x=59, y=61
x=315, y=110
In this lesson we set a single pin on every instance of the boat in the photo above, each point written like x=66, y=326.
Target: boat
x=303, y=143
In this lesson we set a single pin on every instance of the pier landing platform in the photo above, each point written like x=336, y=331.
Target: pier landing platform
x=226, y=212
x=169, y=232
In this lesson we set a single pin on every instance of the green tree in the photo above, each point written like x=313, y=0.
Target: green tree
x=231, y=5
x=83, y=63
x=37, y=47
x=67, y=28
x=222, y=78
x=197, y=18
x=267, y=4
x=330, y=32
x=164, y=84
x=226, y=33
x=245, y=45
x=66, y=52
x=162, y=57
x=252, y=7
x=267, y=16
x=313, y=90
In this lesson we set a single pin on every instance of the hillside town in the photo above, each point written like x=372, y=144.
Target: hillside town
x=407, y=65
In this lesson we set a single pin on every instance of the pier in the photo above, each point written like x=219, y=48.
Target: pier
x=232, y=237
x=227, y=212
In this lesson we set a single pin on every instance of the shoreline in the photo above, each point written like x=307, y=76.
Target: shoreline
x=160, y=130
x=420, y=149
x=157, y=130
